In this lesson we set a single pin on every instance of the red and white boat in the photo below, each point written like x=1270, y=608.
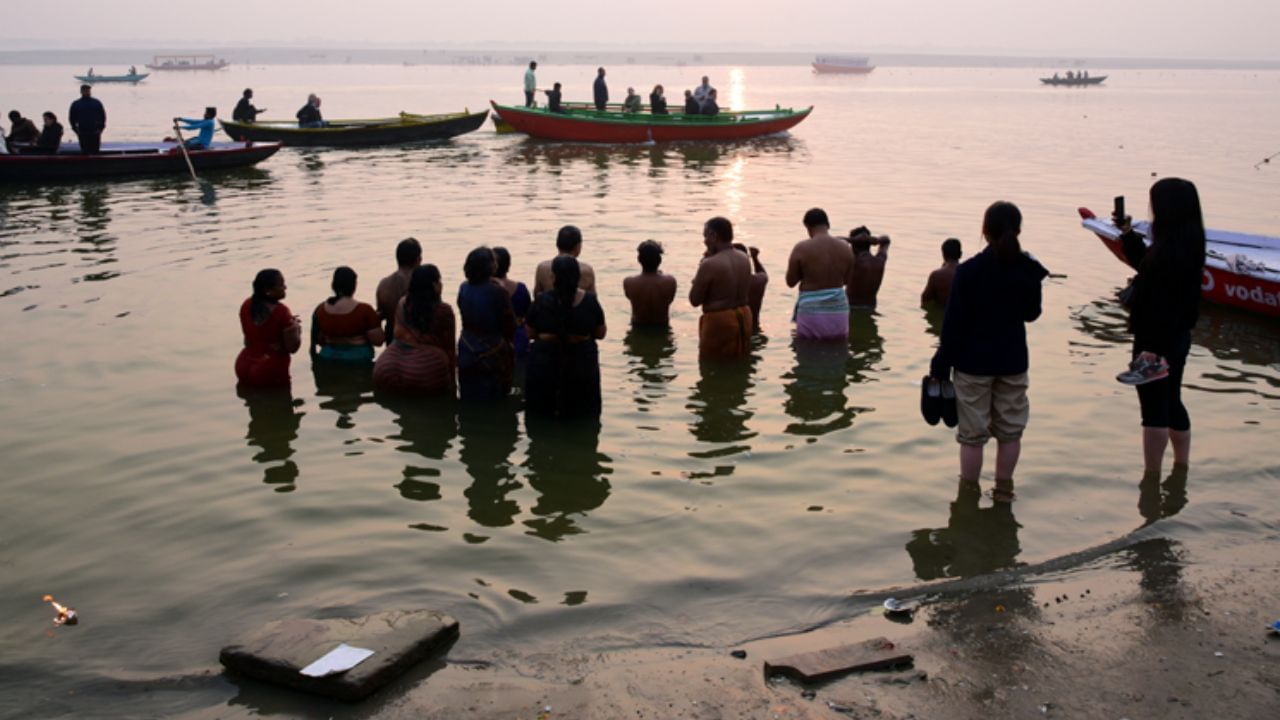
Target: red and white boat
x=842, y=65
x=1239, y=270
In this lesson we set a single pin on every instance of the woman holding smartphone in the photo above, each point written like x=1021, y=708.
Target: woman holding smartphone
x=1163, y=308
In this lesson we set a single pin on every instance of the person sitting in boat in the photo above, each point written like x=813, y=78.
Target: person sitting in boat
x=1070, y=75
x=553, y=99
x=710, y=106
x=133, y=70
x=50, y=137
x=632, y=103
x=342, y=328
x=245, y=111
x=22, y=131
x=309, y=116
x=1055, y=76
x=691, y=106
x=205, y=126
x=703, y=91
x=90, y=72
x=658, y=101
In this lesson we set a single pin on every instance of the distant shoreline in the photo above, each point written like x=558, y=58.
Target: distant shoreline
x=508, y=57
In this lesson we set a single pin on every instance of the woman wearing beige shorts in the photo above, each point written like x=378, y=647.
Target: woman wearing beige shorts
x=984, y=347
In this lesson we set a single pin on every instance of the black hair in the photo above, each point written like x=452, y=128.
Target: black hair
x=722, y=228
x=1177, y=229
x=408, y=252
x=210, y=112
x=951, y=249
x=503, y=258
x=15, y=116
x=479, y=265
x=259, y=306
x=344, y=283
x=248, y=92
x=649, y=253
x=1001, y=225
x=568, y=238
x=533, y=64
x=421, y=300
x=50, y=115
x=816, y=217
x=567, y=274
x=85, y=87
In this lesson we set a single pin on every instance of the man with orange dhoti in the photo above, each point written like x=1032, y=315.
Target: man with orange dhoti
x=721, y=288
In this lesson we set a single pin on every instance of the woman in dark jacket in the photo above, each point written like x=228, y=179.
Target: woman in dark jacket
x=1163, y=308
x=984, y=341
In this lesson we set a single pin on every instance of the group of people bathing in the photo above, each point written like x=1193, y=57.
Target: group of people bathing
x=699, y=101
x=982, y=354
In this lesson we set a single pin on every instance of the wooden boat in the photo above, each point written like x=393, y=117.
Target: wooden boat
x=134, y=78
x=119, y=159
x=842, y=65
x=1239, y=270
x=406, y=127
x=1074, y=81
x=186, y=62
x=581, y=125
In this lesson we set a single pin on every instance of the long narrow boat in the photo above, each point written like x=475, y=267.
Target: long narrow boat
x=407, y=127
x=135, y=78
x=187, y=62
x=1239, y=270
x=842, y=65
x=118, y=159
x=578, y=125
x=1074, y=81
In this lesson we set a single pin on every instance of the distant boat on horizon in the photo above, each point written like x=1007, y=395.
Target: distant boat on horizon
x=842, y=65
x=1074, y=80
x=187, y=62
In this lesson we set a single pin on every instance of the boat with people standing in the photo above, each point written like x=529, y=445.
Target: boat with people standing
x=1074, y=80
x=1240, y=270
x=579, y=124
x=117, y=159
x=404, y=128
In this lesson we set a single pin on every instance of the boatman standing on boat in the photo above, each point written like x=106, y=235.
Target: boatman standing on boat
x=601, y=90
x=309, y=116
x=822, y=266
x=88, y=119
x=703, y=91
x=530, y=83
x=245, y=111
x=205, y=126
x=722, y=289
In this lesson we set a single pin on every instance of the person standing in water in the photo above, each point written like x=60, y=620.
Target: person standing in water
x=722, y=288
x=938, y=288
x=822, y=266
x=271, y=334
x=652, y=291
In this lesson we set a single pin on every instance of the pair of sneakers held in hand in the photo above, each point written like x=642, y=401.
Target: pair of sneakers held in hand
x=938, y=402
x=1147, y=367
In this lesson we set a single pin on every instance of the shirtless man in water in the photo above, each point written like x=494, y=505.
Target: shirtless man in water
x=722, y=288
x=568, y=242
x=396, y=285
x=822, y=266
x=868, y=269
x=759, y=281
x=652, y=291
x=938, y=288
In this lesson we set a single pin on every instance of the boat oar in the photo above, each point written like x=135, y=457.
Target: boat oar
x=183, y=145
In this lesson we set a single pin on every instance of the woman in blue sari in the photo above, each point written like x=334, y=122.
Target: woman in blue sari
x=520, y=300
x=485, y=357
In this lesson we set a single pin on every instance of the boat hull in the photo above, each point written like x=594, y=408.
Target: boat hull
x=829, y=68
x=388, y=131
x=603, y=128
x=1219, y=284
x=1074, y=82
x=96, y=79
x=124, y=159
x=179, y=67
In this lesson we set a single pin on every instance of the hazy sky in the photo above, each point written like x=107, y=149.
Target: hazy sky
x=1226, y=29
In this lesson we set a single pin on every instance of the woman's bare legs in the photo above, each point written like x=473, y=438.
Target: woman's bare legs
x=1181, y=441
x=1154, y=442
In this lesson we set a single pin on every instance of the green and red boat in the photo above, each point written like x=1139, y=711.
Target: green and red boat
x=577, y=124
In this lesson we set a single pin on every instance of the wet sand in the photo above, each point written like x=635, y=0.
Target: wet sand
x=1150, y=627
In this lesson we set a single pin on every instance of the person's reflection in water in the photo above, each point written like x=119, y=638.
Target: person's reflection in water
x=976, y=540
x=343, y=387
x=427, y=428
x=274, y=420
x=1158, y=560
x=815, y=388
x=650, y=352
x=568, y=472
x=866, y=346
x=1157, y=500
x=488, y=435
x=719, y=399
x=933, y=315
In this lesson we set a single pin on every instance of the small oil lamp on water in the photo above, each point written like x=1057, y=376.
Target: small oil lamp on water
x=66, y=615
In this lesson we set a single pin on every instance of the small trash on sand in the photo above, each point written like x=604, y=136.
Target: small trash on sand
x=740, y=654
x=66, y=615
x=895, y=606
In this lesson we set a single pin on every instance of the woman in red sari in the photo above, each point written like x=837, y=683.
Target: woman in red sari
x=271, y=334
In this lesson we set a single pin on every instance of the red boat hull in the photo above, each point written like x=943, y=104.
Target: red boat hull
x=1220, y=286
x=548, y=126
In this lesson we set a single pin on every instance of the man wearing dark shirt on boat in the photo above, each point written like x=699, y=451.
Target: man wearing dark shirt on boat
x=703, y=91
x=88, y=118
x=691, y=106
x=553, y=99
x=652, y=291
x=22, y=131
x=309, y=116
x=245, y=111
x=51, y=137
x=658, y=101
x=600, y=90
x=710, y=106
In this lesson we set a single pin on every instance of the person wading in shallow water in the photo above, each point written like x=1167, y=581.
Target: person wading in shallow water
x=722, y=288
x=984, y=340
x=394, y=286
x=938, y=288
x=652, y=291
x=271, y=334
x=822, y=266
x=568, y=242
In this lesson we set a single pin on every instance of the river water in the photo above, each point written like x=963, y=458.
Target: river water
x=711, y=506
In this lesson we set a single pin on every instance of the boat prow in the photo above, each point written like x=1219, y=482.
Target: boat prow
x=592, y=126
x=1240, y=270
